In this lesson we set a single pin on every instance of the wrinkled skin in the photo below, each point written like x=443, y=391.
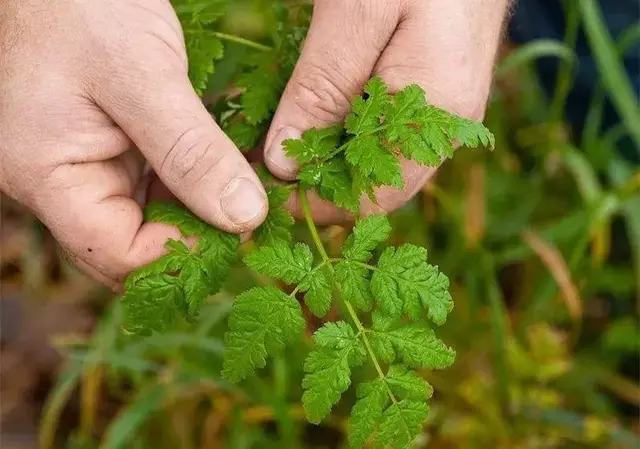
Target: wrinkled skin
x=91, y=93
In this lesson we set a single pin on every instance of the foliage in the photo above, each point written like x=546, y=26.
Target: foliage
x=264, y=320
x=342, y=335
x=341, y=163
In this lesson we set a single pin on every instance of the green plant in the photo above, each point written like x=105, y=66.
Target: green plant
x=389, y=297
x=528, y=235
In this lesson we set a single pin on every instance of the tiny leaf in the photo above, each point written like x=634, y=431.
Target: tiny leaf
x=367, y=234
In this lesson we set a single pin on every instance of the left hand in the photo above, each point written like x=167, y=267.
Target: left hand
x=447, y=47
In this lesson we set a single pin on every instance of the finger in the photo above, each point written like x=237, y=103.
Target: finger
x=90, y=211
x=338, y=56
x=453, y=60
x=152, y=100
x=456, y=72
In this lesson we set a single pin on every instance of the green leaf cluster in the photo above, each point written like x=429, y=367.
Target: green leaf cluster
x=202, y=44
x=264, y=77
x=177, y=283
x=343, y=164
x=390, y=298
x=402, y=290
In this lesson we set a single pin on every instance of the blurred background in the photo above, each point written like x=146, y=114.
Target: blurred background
x=540, y=238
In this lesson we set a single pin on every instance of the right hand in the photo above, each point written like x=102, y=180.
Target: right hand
x=89, y=91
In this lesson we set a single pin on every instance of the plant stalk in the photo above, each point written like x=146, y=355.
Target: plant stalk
x=242, y=41
x=352, y=313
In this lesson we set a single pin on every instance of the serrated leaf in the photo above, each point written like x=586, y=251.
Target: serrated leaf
x=371, y=159
x=218, y=251
x=277, y=195
x=401, y=424
x=314, y=144
x=262, y=92
x=202, y=45
x=279, y=221
x=374, y=413
x=263, y=321
x=406, y=383
x=328, y=368
x=405, y=282
x=279, y=261
x=367, y=234
x=318, y=292
x=152, y=304
x=365, y=113
x=437, y=129
x=413, y=344
x=380, y=127
x=367, y=412
x=353, y=281
x=400, y=113
x=288, y=36
x=473, y=134
x=172, y=213
x=244, y=135
x=334, y=335
x=333, y=182
x=195, y=284
x=170, y=262
x=414, y=147
x=203, y=48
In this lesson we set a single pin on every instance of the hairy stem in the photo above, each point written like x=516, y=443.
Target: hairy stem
x=242, y=41
x=352, y=313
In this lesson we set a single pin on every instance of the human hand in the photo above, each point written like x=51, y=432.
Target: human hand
x=447, y=47
x=88, y=92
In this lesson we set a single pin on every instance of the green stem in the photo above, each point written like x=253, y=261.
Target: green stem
x=499, y=333
x=242, y=41
x=563, y=81
x=364, y=265
x=610, y=67
x=352, y=313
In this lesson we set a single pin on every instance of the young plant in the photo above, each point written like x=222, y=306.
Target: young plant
x=390, y=299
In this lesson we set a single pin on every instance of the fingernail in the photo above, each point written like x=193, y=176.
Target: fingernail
x=276, y=154
x=242, y=201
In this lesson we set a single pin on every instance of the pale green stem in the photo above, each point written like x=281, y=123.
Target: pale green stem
x=352, y=313
x=242, y=41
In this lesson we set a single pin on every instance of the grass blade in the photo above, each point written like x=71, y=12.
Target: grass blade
x=124, y=427
x=593, y=121
x=499, y=330
x=611, y=68
x=532, y=51
x=56, y=401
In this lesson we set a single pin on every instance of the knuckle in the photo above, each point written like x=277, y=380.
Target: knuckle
x=318, y=92
x=190, y=158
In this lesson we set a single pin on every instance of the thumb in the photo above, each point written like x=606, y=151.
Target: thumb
x=156, y=106
x=336, y=61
